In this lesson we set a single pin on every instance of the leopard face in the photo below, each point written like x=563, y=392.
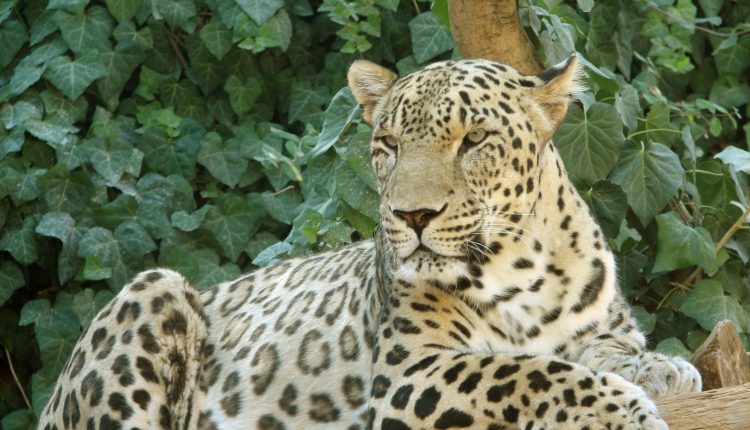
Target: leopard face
x=466, y=135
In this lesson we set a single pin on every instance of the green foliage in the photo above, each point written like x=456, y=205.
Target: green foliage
x=213, y=136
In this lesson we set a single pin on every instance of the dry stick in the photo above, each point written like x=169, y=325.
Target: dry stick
x=724, y=239
x=416, y=6
x=173, y=42
x=15, y=378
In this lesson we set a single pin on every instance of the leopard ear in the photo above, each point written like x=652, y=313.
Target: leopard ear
x=559, y=82
x=369, y=83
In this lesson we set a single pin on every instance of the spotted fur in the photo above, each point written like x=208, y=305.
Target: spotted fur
x=488, y=298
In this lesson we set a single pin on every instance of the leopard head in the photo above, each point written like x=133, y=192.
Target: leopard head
x=455, y=149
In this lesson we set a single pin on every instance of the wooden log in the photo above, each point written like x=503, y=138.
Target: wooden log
x=724, y=408
x=721, y=359
x=492, y=29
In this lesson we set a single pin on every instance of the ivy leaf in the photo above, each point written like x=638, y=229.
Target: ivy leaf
x=28, y=187
x=714, y=182
x=201, y=266
x=242, y=95
x=358, y=156
x=680, y=246
x=429, y=37
x=189, y=222
x=340, y=113
x=739, y=158
x=735, y=59
x=110, y=215
x=708, y=305
x=47, y=51
x=585, y=5
x=650, y=174
x=56, y=331
x=12, y=38
x=49, y=131
x=33, y=310
x=62, y=226
x=223, y=159
x=86, y=31
x=646, y=321
x=72, y=77
x=260, y=10
x=276, y=32
x=11, y=279
x=86, y=304
x=66, y=191
x=657, y=126
x=123, y=10
x=609, y=204
x=269, y=255
x=21, y=419
x=209, y=73
x=11, y=173
x=176, y=12
x=59, y=225
x=627, y=105
x=74, y=6
x=26, y=74
x=13, y=115
x=356, y=192
x=674, y=348
x=306, y=100
x=119, y=251
x=120, y=65
x=589, y=141
x=111, y=150
x=217, y=38
x=282, y=207
x=10, y=143
x=128, y=37
x=167, y=157
x=20, y=242
x=231, y=223
x=133, y=239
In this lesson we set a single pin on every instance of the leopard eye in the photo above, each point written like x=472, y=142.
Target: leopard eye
x=471, y=139
x=390, y=141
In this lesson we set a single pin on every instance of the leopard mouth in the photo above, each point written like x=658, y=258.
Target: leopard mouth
x=425, y=252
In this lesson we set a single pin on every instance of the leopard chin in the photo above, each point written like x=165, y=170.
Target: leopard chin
x=426, y=265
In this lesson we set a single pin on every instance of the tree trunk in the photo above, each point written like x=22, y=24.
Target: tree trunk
x=492, y=29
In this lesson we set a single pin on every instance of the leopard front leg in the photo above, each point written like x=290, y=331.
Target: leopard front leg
x=659, y=375
x=447, y=389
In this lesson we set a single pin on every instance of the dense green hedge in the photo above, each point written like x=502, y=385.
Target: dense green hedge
x=213, y=136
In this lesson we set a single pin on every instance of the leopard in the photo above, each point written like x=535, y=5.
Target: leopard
x=487, y=298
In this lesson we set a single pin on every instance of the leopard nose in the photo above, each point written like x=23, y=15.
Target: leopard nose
x=417, y=219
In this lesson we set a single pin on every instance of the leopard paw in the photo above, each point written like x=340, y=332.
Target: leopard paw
x=662, y=375
x=627, y=406
x=606, y=401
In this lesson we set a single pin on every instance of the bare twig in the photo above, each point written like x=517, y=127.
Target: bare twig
x=283, y=190
x=697, y=27
x=416, y=6
x=173, y=41
x=15, y=378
